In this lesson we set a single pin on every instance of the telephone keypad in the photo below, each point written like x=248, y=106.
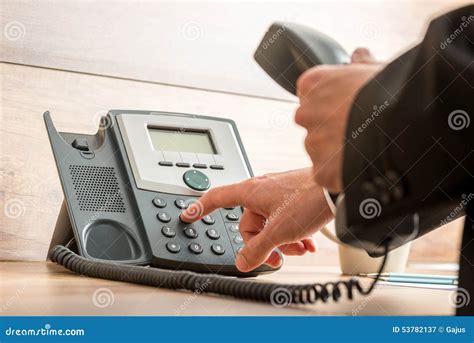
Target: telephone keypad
x=213, y=240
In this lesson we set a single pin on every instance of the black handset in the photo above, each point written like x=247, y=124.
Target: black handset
x=288, y=49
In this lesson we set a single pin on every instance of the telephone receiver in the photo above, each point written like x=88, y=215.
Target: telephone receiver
x=287, y=50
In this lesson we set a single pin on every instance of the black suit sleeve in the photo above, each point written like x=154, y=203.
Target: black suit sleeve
x=410, y=135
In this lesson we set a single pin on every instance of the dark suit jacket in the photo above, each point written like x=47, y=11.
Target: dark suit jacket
x=409, y=159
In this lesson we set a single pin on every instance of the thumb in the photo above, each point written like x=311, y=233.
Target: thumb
x=257, y=250
x=362, y=55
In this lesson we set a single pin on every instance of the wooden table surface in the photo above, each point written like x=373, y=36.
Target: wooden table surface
x=43, y=288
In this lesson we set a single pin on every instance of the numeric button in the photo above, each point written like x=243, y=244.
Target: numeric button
x=190, y=232
x=173, y=247
x=181, y=204
x=159, y=202
x=168, y=232
x=218, y=249
x=232, y=216
x=213, y=234
x=163, y=217
x=234, y=228
x=195, y=248
x=209, y=220
x=238, y=239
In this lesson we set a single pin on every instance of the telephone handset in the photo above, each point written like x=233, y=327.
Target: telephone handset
x=125, y=187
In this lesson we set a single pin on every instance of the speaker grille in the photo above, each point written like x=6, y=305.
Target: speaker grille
x=97, y=188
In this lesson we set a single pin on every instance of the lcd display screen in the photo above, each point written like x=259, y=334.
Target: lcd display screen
x=198, y=142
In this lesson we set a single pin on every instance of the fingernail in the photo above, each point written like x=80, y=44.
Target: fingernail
x=241, y=263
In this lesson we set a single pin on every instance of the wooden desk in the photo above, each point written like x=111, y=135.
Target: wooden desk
x=40, y=288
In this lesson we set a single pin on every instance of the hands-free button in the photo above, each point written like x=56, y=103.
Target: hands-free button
x=209, y=220
x=195, y=248
x=190, y=232
x=180, y=203
x=238, y=239
x=196, y=180
x=234, y=228
x=168, y=232
x=159, y=202
x=232, y=216
x=213, y=234
x=218, y=249
x=173, y=247
x=163, y=217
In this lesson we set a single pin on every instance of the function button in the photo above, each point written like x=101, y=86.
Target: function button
x=213, y=234
x=196, y=180
x=168, y=232
x=232, y=216
x=216, y=166
x=165, y=163
x=163, y=217
x=209, y=220
x=190, y=232
x=181, y=203
x=173, y=247
x=200, y=165
x=159, y=202
x=218, y=249
x=195, y=248
x=183, y=164
x=238, y=239
x=234, y=228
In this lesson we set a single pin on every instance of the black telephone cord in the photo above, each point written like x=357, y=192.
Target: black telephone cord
x=275, y=293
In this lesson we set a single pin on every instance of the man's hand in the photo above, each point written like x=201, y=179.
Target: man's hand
x=326, y=96
x=281, y=210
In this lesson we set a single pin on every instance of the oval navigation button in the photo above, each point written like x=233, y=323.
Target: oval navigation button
x=196, y=180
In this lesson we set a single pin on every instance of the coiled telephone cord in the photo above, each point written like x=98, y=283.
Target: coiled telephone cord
x=274, y=293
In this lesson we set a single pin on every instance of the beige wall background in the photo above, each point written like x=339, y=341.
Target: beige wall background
x=205, y=49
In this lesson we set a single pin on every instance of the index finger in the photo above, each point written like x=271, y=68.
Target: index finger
x=224, y=196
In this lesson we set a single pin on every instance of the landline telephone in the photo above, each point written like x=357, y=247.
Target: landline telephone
x=125, y=187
